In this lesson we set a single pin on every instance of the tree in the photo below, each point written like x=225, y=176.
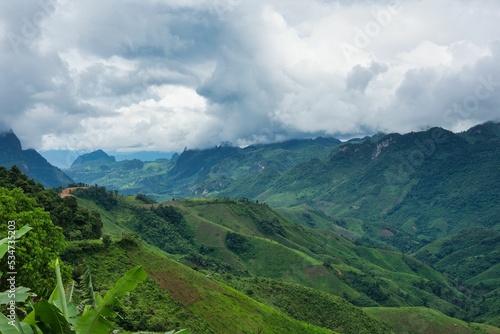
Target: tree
x=106, y=241
x=34, y=252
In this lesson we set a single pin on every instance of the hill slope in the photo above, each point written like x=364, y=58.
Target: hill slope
x=177, y=296
x=245, y=239
x=418, y=186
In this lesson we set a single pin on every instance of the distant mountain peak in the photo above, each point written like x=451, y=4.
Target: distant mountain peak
x=29, y=161
x=93, y=156
x=9, y=141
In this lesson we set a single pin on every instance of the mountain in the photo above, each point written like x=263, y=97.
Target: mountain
x=406, y=190
x=29, y=162
x=128, y=176
x=63, y=159
x=238, y=266
x=201, y=172
x=94, y=156
x=429, y=194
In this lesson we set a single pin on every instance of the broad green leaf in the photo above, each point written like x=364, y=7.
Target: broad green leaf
x=7, y=328
x=93, y=321
x=30, y=319
x=97, y=299
x=20, y=295
x=126, y=284
x=50, y=319
x=3, y=247
x=23, y=230
x=61, y=296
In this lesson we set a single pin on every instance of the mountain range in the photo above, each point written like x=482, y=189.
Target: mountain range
x=407, y=189
x=399, y=230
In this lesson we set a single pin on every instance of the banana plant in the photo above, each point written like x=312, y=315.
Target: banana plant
x=59, y=314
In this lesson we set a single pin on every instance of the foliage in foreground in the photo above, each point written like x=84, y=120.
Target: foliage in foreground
x=59, y=314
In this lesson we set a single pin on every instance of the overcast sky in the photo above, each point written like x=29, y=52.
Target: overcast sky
x=166, y=74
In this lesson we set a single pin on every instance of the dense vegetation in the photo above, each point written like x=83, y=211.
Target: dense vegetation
x=237, y=240
x=76, y=222
x=32, y=255
x=405, y=226
x=197, y=172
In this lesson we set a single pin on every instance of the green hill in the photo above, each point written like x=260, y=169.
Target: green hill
x=176, y=296
x=472, y=258
x=419, y=320
x=236, y=266
x=404, y=190
x=245, y=239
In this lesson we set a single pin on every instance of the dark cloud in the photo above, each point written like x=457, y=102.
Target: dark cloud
x=165, y=75
x=359, y=77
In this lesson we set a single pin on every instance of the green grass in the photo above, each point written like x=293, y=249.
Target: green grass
x=176, y=296
x=419, y=320
x=281, y=249
x=111, y=220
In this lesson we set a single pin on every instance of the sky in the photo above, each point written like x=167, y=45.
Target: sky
x=163, y=75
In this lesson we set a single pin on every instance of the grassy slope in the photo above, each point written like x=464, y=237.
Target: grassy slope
x=472, y=257
x=420, y=320
x=307, y=304
x=321, y=260
x=177, y=296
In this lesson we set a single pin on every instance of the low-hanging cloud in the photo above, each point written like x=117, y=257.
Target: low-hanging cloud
x=149, y=75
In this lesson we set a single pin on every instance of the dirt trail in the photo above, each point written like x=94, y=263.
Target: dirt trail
x=67, y=192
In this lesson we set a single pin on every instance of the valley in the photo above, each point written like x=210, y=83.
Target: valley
x=384, y=234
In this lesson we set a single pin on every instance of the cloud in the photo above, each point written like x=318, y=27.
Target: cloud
x=359, y=77
x=162, y=75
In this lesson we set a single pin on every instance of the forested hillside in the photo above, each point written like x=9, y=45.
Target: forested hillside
x=390, y=233
x=200, y=172
x=236, y=241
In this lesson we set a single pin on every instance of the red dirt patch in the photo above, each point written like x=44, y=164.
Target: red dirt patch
x=315, y=271
x=177, y=288
x=67, y=192
x=385, y=233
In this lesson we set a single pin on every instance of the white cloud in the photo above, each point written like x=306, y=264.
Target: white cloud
x=168, y=74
